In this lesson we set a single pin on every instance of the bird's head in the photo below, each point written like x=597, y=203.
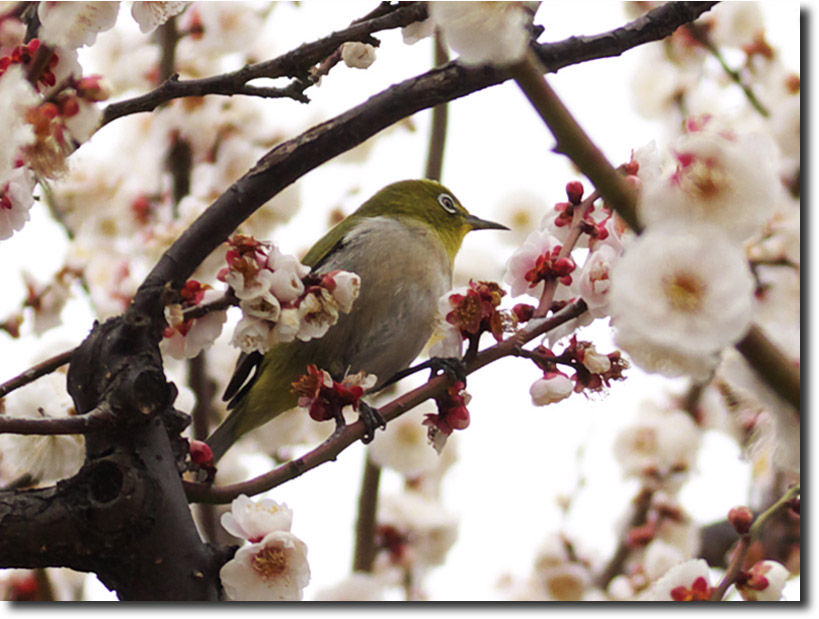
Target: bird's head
x=431, y=204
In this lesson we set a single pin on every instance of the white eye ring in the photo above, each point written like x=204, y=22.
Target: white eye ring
x=448, y=203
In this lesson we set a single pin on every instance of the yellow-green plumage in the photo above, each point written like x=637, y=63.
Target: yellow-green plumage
x=402, y=243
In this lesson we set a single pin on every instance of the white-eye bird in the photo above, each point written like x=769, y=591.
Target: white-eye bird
x=402, y=243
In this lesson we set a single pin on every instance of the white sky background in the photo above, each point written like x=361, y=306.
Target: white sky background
x=514, y=460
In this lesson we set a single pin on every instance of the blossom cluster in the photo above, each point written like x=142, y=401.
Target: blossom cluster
x=280, y=297
x=324, y=398
x=273, y=565
x=593, y=371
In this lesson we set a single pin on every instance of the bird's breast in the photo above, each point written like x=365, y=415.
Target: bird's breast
x=404, y=270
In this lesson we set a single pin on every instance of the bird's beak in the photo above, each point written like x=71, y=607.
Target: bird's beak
x=482, y=224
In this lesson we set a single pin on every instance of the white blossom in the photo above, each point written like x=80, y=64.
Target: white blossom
x=483, y=32
x=538, y=243
x=734, y=24
x=660, y=440
x=660, y=556
x=274, y=569
x=567, y=582
x=727, y=181
x=766, y=582
x=403, y=447
x=250, y=287
x=74, y=24
x=85, y=122
x=150, y=15
x=16, y=199
x=357, y=55
x=318, y=311
x=288, y=272
x=680, y=292
x=253, y=334
x=345, y=288
x=47, y=458
x=16, y=97
x=185, y=340
x=689, y=581
x=593, y=281
x=253, y=520
x=552, y=387
x=596, y=362
x=431, y=529
x=264, y=305
x=287, y=326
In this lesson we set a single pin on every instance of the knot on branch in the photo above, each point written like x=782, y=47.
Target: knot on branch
x=119, y=367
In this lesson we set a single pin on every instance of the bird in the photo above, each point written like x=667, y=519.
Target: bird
x=402, y=244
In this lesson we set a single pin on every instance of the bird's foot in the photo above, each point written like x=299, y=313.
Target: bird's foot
x=372, y=421
x=453, y=367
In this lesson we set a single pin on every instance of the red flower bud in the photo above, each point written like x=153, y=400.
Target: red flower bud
x=741, y=518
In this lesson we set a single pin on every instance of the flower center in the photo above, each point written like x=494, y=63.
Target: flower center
x=684, y=291
x=269, y=563
x=703, y=178
x=700, y=591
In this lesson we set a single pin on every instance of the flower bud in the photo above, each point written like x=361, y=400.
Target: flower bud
x=741, y=518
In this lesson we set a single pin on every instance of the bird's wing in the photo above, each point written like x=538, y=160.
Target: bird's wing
x=331, y=243
x=239, y=382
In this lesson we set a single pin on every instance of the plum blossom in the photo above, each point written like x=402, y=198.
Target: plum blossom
x=16, y=199
x=686, y=582
x=403, y=447
x=593, y=282
x=484, y=32
x=274, y=569
x=16, y=97
x=185, y=339
x=429, y=529
x=274, y=565
x=151, y=15
x=552, y=387
x=659, y=441
x=527, y=268
x=764, y=582
x=720, y=179
x=680, y=294
x=252, y=520
x=253, y=334
x=357, y=55
x=47, y=458
x=74, y=24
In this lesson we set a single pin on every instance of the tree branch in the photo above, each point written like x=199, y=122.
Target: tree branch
x=290, y=160
x=292, y=64
x=35, y=372
x=330, y=449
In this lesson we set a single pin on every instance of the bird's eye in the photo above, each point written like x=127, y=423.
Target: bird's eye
x=446, y=201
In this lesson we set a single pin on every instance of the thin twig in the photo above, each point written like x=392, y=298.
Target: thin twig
x=35, y=372
x=295, y=64
x=701, y=36
x=741, y=552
